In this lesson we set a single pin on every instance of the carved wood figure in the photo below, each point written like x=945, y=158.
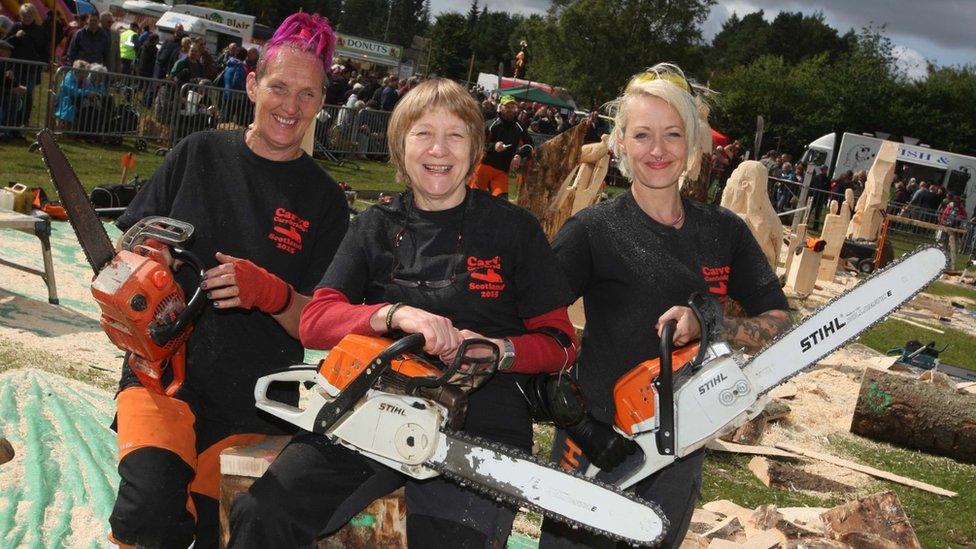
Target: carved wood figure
x=547, y=173
x=745, y=194
x=869, y=211
x=847, y=206
x=833, y=232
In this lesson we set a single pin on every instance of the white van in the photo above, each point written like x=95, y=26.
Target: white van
x=217, y=35
x=856, y=152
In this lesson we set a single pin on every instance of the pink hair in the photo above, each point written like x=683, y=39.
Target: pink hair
x=306, y=32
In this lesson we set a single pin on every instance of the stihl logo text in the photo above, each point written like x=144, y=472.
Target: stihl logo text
x=821, y=333
x=389, y=408
x=702, y=389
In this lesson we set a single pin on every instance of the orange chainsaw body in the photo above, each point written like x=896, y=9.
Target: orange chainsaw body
x=134, y=292
x=355, y=352
x=634, y=393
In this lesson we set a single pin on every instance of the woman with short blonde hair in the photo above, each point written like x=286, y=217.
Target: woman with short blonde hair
x=636, y=261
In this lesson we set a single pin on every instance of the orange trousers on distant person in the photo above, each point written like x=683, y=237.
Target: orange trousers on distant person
x=491, y=179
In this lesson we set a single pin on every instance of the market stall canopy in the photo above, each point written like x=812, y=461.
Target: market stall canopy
x=528, y=93
x=719, y=139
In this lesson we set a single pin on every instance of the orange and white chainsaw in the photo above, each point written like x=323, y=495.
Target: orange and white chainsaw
x=144, y=311
x=674, y=405
x=386, y=401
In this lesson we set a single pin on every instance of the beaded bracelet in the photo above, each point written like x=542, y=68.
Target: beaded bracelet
x=389, y=315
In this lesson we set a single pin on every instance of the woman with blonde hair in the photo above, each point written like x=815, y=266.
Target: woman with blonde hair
x=636, y=260
x=447, y=262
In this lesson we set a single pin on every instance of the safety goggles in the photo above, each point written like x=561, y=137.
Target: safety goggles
x=647, y=76
x=427, y=284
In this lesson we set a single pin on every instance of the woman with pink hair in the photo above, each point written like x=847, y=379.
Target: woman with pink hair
x=250, y=193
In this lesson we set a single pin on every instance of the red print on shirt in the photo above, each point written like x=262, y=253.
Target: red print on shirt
x=486, y=276
x=717, y=279
x=287, y=230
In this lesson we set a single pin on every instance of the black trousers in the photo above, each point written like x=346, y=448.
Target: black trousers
x=675, y=489
x=314, y=487
x=151, y=504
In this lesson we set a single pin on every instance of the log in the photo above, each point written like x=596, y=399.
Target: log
x=381, y=524
x=874, y=521
x=878, y=473
x=916, y=414
x=786, y=477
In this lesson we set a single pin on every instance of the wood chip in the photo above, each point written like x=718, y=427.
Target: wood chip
x=694, y=541
x=767, y=539
x=786, y=477
x=727, y=529
x=872, y=521
x=764, y=517
x=938, y=378
x=728, y=508
x=719, y=543
x=784, y=391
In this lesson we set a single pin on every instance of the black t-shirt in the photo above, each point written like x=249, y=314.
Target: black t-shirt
x=503, y=271
x=631, y=269
x=287, y=217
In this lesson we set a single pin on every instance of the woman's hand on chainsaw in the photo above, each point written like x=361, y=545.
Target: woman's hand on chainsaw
x=241, y=283
x=687, y=329
x=440, y=335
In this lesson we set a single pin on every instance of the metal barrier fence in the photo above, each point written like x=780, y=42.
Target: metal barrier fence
x=113, y=107
x=23, y=98
x=784, y=194
x=348, y=132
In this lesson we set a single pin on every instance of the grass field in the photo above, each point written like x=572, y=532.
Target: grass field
x=99, y=164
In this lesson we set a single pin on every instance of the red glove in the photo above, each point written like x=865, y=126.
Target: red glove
x=257, y=288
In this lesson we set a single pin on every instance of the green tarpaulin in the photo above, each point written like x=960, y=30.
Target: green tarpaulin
x=528, y=93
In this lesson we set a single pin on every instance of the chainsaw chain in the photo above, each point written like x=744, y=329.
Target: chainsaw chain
x=514, y=453
x=797, y=325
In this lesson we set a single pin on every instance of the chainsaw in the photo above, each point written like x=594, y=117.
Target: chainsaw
x=143, y=309
x=385, y=402
x=673, y=405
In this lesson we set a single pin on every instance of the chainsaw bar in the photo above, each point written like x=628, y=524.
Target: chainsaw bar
x=91, y=233
x=506, y=474
x=844, y=318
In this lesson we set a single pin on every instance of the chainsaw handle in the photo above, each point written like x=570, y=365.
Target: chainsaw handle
x=665, y=391
x=162, y=333
x=455, y=366
x=293, y=414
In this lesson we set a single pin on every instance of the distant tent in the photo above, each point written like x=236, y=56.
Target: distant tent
x=536, y=95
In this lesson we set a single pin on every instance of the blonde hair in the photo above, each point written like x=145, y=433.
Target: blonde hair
x=435, y=93
x=667, y=82
x=29, y=9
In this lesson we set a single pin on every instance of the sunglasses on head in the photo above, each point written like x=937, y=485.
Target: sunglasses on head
x=649, y=75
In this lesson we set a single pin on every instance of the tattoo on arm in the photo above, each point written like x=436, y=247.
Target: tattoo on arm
x=756, y=331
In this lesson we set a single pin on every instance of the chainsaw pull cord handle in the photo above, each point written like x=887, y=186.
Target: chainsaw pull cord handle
x=163, y=332
x=455, y=366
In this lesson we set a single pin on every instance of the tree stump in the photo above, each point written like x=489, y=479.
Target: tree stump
x=916, y=414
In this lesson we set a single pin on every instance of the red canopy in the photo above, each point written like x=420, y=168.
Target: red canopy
x=718, y=139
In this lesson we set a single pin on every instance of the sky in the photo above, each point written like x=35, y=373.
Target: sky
x=940, y=31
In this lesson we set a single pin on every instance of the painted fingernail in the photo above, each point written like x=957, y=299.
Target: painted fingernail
x=209, y=295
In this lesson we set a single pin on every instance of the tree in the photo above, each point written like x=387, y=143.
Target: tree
x=273, y=12
x=490, y=42
x=365, y=18
x=592, y=47
x=407, y=19
x=449, y=46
